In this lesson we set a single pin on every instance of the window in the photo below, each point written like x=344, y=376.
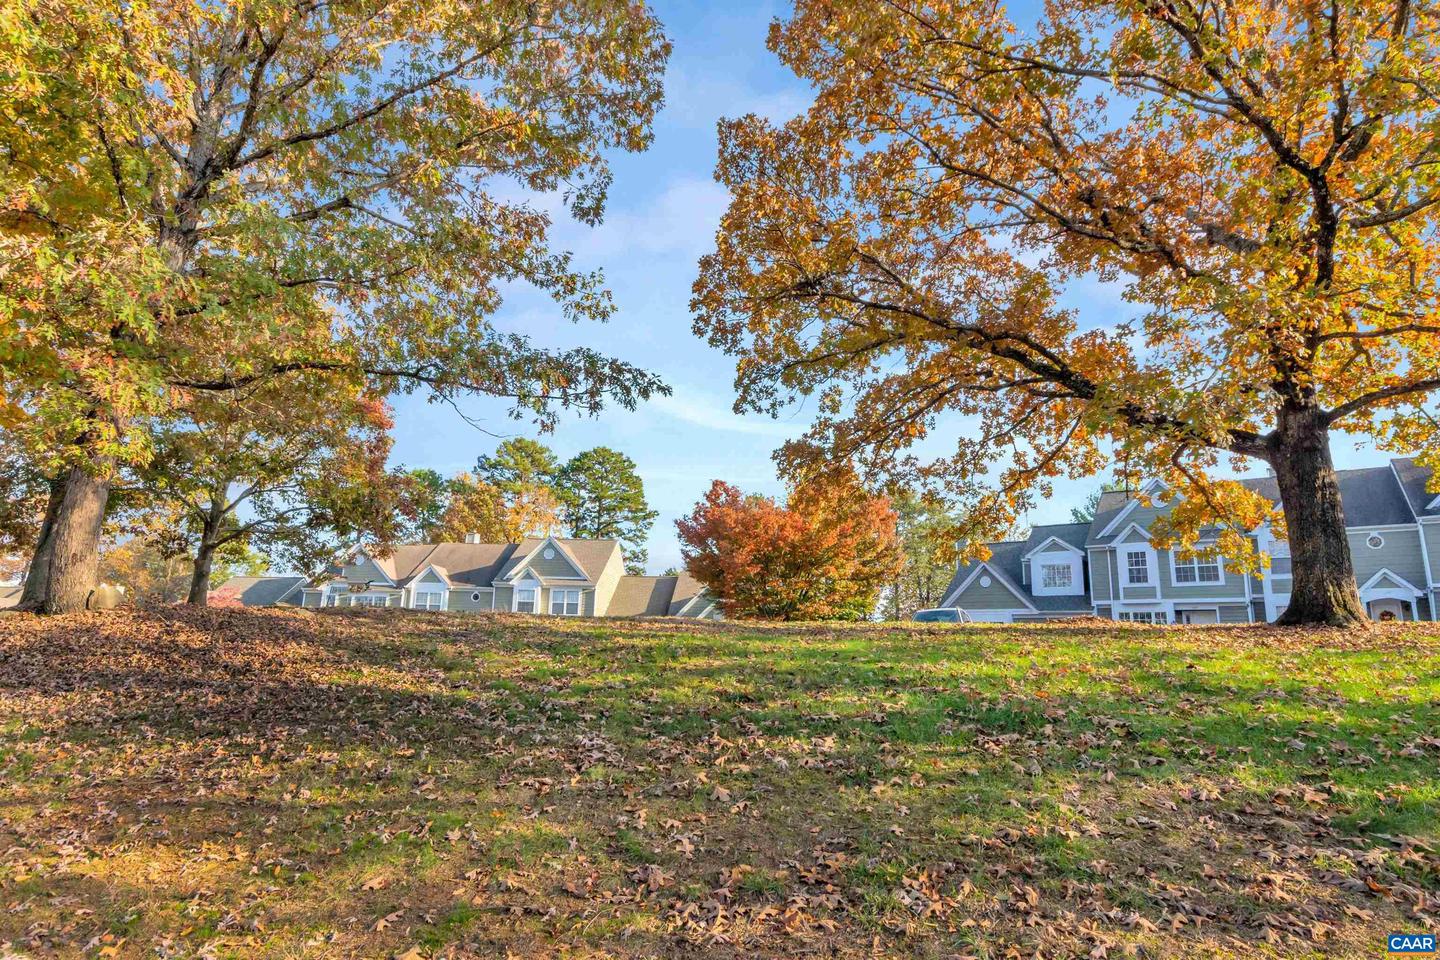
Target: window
x=1279, y=548
x=985, y=581
x=1374, y=541
x=429, y=600
x=475, y=597
x=1137, y=567
x=1143, y=616
x=1197, y=570
x=549, y=553
x=372, y=600
x=525, y=600
x=1056, y=576
x=565, y=603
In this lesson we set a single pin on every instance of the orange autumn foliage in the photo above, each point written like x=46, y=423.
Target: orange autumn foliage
x=823, y=555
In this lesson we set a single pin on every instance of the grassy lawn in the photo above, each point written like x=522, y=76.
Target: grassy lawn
x=380, y=783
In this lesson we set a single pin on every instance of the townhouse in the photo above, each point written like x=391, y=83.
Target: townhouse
x=550, y=575
x=1110, y=568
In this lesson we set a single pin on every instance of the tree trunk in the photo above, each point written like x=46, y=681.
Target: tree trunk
x=1323, y=590
x=75, y=553
x=37, y=578
x=200, y=579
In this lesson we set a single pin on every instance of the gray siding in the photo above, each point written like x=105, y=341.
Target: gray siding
x=430, y=577
x=1234, y=613
x=1432, y=544
x=1104, y=610
x=1232, y=584
x=1099, y=566
x=1401, y=554
x=502, y=598
x=363, y=572
x=994, y=597
x=461, y=599
x=558, y=568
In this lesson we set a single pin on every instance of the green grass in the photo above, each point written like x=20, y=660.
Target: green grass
x=292, y=784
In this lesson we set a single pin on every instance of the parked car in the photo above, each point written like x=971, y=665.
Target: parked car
x=942, y=615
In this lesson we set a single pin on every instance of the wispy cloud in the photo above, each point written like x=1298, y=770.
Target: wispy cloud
x=713, y=413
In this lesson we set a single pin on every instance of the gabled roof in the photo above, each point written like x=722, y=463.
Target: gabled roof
x=655, y=596
x=1396, y=581
x=481, y=564
x=1113, y=508
x=597, y=552
x=1414, y=480
x=1005, y=560
x=257, y=591
x=1072, y=535
x=1371, y=496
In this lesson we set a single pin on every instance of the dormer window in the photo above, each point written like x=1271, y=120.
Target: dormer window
x=1056, y=576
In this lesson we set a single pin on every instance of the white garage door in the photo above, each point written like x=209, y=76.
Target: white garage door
x=1197, y=616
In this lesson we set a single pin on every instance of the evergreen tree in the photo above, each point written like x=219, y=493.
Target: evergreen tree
x=925, y=525
x=518, y=466
x=604, y=499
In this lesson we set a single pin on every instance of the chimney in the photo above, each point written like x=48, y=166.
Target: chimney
x=472, y=538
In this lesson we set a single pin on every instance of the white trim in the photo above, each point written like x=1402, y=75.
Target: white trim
x=1434, y=504
x=579, y=601
x=1219, y=565
x=438, y=572
x=1379, y=527
x=1000, y=578
x=1147, y=490
x=533, y=585
x=373, y=562
x=1049, y=540
x=524, y=565
x=1152, y=573
x=1369, y=585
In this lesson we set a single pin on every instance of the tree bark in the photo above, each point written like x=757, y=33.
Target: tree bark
x=75, y=553
x=200, y=578
x=37, y=577
x=1323, y=590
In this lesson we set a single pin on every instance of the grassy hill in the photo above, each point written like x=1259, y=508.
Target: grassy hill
x=232, y=783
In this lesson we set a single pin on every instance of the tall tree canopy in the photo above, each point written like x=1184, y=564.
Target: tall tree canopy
x=924, y=525
x=604, y=499
x=292, y=466
x=1262, y=177
x=197, y=196
x=518, y=465
x=823, y=555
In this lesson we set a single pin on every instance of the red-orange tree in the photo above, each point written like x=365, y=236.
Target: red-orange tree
x=1261, y=177
x=824, y=555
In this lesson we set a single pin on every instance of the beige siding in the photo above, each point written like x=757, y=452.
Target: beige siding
x=606, y=583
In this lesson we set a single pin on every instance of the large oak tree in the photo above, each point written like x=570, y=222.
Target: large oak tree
x=197, y=196
x=1262, y=178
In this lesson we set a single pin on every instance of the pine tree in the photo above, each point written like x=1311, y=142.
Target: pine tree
x=604, y=499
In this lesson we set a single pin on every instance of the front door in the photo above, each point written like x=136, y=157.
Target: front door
x=1387, y=609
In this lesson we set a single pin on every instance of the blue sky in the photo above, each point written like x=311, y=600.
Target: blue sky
x=661, y=217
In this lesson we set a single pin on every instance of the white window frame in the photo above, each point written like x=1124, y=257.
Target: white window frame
x=1372, y=535
x=1126, y=570
x=1151, y=617
x=432, y=600
x=1049, y=571
x=534, y=600
x=561, y=597
x=1195, y=563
